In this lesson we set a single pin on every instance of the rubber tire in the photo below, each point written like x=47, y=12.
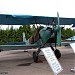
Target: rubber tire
x=0, y=50
x=57, y=53
x=35, y=57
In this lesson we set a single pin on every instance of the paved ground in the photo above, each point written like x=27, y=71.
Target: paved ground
x=21, y=63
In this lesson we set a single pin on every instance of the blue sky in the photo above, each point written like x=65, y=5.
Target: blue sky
x=66, y=8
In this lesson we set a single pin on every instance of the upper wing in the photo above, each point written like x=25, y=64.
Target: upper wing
x=28, y=20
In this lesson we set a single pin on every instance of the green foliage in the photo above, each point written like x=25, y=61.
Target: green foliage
x=27, y=29
x=67, y=33
x=15, y=35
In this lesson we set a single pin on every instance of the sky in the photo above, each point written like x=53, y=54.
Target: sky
x=66, y=8
x=6, y=26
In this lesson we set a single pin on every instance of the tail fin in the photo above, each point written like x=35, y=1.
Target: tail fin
x=24, y=38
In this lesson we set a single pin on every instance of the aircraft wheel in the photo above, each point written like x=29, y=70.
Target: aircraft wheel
x=35, y=56
x=57, y=53
x=0, y=50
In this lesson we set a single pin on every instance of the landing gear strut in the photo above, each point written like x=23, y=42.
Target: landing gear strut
x=36, y=53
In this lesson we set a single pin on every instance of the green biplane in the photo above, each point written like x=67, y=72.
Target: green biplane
x=47, y=36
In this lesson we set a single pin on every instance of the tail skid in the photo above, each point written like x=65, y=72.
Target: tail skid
x=24, y=38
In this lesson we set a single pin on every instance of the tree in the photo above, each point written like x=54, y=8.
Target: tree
x=67, y=33
x=15, y=35
x=27, y=29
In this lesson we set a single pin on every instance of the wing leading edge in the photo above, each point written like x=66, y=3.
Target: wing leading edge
x=6, y=19
x=18, y=47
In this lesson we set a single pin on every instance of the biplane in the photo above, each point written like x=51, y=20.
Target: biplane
x=46, y=36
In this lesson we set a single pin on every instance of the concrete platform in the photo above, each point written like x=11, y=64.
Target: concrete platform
x=21, y=63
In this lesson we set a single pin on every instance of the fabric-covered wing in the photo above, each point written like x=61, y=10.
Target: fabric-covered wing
x=18, y=47
x=28, y=20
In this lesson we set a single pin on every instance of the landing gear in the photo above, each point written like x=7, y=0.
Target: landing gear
x=36, y=53
x=57, y=53
x=35, y=56
x=0, y=50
